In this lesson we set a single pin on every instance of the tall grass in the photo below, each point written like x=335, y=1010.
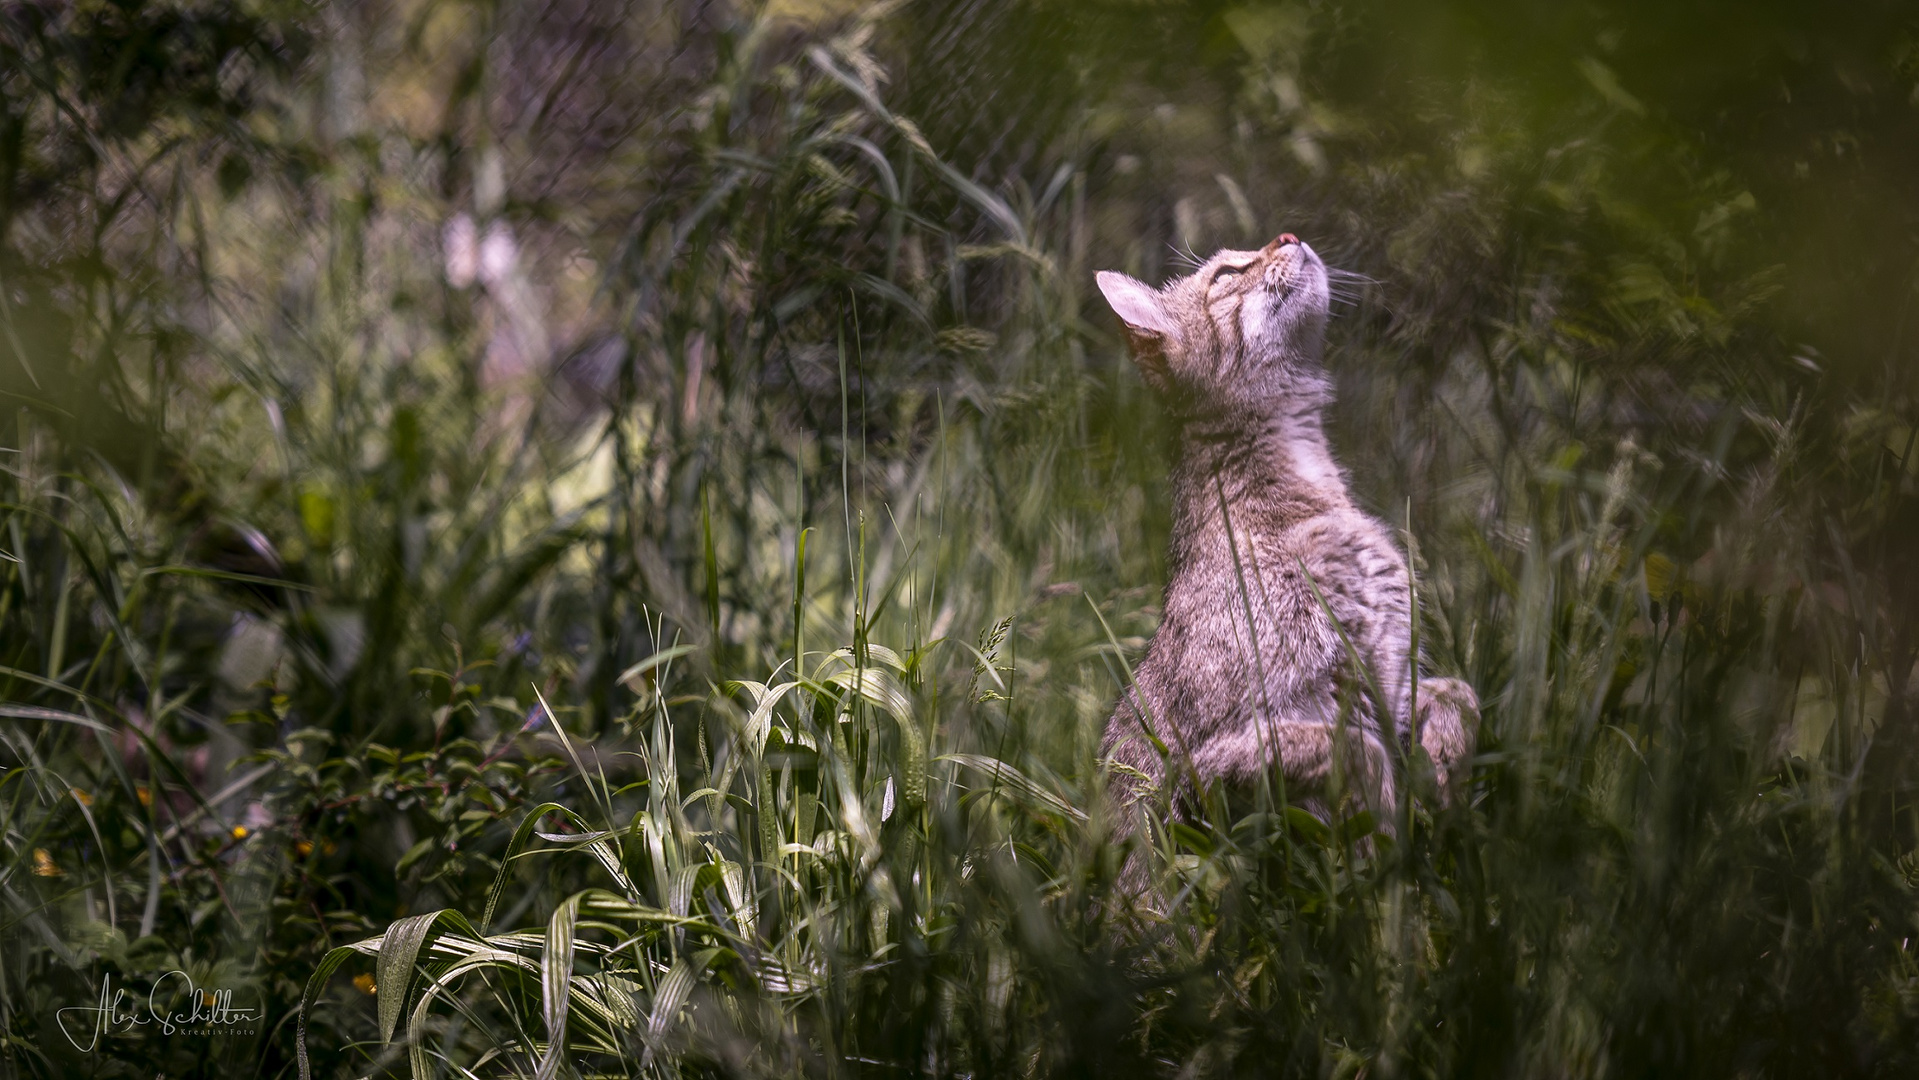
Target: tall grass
x=595, y=540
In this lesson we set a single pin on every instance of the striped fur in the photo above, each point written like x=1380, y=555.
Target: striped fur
x=1286, y=634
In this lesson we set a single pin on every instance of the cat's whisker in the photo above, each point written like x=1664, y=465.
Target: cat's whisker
x=1347, y=287
x=1185, y=257
x=1335, y=274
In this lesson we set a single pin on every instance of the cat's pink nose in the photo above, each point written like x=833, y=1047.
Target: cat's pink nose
x=1281, y=241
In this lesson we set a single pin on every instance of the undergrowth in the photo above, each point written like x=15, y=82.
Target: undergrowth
x=601, y=539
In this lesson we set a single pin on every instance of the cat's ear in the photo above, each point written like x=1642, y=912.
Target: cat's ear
x=1137, y=305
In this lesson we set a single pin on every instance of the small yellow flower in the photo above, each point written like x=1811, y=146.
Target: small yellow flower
x=145, y=796
x=43, y=864
x=303, y=848
x=85, y=799
x=239, y=832
x=365, y=983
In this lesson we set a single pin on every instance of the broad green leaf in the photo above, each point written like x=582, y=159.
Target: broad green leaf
x=1018, y=782
x=667, y=1002
x=884, y=690
x=597, y=842
x=315, y=984
x=556, y=977
x=399, y=951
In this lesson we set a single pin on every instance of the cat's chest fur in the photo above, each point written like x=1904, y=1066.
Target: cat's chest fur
x=1281, y=595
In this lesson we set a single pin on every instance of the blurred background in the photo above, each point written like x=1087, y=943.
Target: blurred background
x=697, y=415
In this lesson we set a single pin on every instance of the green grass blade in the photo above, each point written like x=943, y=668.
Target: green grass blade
x=399, y=953
x=556, y=978
x=316, y=983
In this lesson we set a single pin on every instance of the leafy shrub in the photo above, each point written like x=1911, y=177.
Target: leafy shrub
x=727, y=379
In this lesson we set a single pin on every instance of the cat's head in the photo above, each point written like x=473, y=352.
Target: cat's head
x=1245, y=330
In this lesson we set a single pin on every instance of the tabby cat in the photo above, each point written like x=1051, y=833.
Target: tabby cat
x=1286, y=634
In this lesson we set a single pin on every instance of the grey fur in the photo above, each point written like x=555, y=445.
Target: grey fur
x=1277, y=580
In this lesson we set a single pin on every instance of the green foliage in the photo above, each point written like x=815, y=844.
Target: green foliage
x=375, y=377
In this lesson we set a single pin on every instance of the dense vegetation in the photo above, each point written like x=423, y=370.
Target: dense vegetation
x=591, y=537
